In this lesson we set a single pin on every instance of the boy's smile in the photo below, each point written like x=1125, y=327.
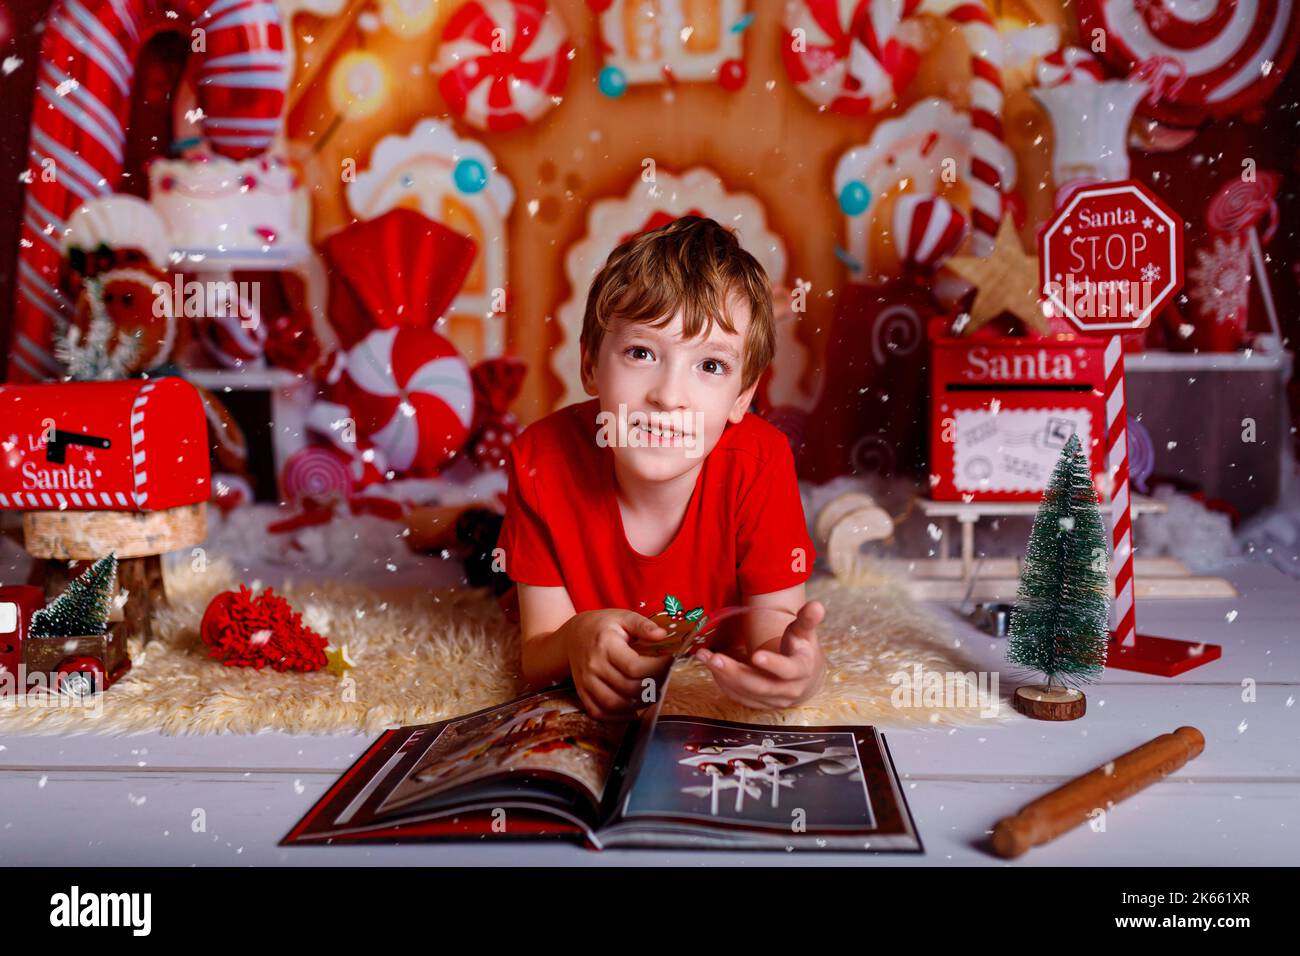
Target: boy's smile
x=668, y=400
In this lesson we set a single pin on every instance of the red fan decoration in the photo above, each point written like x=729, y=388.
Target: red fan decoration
x=399, y=269
x=496, y=386
x=248, y=631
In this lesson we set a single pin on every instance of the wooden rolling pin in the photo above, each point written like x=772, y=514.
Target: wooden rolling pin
x=1071, y=804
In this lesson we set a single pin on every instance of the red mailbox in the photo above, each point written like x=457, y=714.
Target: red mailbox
x=1003, y=408
x=134, y=445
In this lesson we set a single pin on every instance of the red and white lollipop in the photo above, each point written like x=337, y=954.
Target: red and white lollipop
x=1238, y=208
x=850, y=56
x=927, y=230
x=1205, y=58
x=1240, y=205
x=411, y=396
x=1067, y=65
x=503, y=63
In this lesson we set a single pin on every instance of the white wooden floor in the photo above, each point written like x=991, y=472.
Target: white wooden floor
x=101, y=800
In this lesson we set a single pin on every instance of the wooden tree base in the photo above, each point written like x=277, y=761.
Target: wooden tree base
x=1058, y=703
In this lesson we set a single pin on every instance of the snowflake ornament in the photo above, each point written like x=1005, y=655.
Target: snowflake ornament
x=1220, y=280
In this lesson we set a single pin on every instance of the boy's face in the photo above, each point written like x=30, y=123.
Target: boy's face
x=664, y=401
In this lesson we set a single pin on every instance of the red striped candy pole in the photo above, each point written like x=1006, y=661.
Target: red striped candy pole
x=78, y=140
x=1124, y=610
x=987, y=147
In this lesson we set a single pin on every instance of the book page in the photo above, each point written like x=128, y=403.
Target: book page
x=546, y=734
x=766, y=778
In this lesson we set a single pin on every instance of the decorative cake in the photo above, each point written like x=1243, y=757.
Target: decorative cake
x=250, y=212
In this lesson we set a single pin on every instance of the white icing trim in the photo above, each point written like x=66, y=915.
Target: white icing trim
x=609, y=219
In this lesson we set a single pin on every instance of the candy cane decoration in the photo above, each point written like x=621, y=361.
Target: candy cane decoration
x=78, y=133
x=985, y=44
x=991, y=165
x=850, y=56
x=1124, y=610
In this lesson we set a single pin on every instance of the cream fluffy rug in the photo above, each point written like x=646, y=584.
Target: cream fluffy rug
x=421, y=656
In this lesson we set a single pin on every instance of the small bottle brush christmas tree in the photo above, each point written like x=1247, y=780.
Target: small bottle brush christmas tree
x=1059, y=626
x=83, y=608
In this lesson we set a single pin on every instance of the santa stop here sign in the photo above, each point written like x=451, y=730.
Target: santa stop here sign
x=1111, y=257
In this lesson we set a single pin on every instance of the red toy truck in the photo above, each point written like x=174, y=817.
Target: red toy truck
x=79, y=666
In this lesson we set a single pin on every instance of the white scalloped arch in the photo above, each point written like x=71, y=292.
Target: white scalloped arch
x=611, y=219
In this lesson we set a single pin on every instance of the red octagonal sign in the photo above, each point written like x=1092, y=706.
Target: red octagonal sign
x=1111, y=257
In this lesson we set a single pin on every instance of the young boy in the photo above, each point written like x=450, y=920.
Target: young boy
x=662, y=484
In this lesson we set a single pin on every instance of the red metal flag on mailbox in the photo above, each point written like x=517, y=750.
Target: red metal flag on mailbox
x=1111, y=257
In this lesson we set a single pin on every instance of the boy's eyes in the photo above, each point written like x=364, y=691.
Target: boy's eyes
x=712, y=366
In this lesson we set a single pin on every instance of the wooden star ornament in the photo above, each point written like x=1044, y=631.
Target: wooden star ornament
x=1005, y=281
x=338, y=662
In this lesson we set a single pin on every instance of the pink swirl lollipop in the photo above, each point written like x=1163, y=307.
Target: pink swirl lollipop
x=1237, y=208
x=315, y=473
x=1239, y=205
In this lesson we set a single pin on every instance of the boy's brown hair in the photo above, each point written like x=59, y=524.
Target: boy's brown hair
x=694, y=263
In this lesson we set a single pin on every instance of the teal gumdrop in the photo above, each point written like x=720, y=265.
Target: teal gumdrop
x=470, y=175
x=855, y=197
x=612, y=81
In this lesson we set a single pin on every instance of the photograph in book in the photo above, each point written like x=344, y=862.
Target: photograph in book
x=756, y=777
x=548, y=733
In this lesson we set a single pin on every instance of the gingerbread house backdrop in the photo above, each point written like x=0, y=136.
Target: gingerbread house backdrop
x=852, y=145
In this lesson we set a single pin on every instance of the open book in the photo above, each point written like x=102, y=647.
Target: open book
x=538, y=766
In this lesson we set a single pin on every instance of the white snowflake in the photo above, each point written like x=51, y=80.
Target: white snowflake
x=1220, y=280
x=1150, y=272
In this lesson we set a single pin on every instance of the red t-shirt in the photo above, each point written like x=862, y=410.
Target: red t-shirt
x=741, y=534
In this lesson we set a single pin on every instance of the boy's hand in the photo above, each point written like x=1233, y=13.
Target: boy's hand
x=782, y=673
x=608, y=674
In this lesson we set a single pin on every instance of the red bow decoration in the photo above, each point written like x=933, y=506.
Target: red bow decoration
x=248, y=631
x=317, y=511
x=496, y=385
x=400, y=268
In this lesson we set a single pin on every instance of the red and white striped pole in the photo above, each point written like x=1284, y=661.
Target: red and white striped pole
x=988, y=150
x=1123, y=613
x=1137, y=214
